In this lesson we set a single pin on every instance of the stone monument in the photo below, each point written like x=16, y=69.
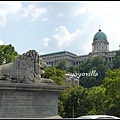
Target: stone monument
x=23, y=92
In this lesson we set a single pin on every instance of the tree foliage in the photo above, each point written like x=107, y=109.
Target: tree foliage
x=116, y=60
x=7, y=54
x=62, y=65
x=91, y=99
x=97, y=64
x=57, y=75
x=74, y=102
x=112, y=99
x=73, y=69
x=96, y=97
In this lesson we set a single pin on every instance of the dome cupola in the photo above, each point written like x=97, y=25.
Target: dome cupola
x=100, y=42
x=100, y=36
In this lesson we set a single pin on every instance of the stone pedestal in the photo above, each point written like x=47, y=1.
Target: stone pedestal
x=19, y=100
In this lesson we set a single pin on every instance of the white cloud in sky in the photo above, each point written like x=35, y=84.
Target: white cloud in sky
x=79, y=10
x=45, y=42
x=61, y=39
x=1, y=42
x=90, y=13
x=45, y=19
x=33, y=11
x=63, y=36
x=15, y=8
x=7, y=9
x=97, y=13
x=60, y=14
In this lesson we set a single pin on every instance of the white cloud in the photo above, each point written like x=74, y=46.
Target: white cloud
x=45, y=42
x=60, y=14
x=89, y=14
x=7, y=9
x=61, y=40
x=45, y=19
x=79, y=10
x=63, y=36
x=33, y=11
x=16, y=9
x=1, y=42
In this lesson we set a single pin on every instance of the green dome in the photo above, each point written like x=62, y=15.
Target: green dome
x=100, y=36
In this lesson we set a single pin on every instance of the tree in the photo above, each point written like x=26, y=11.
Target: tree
x=97, y=61
x=97, y=64
x=102, y=99
x=96, y=97
x=62, y=65
x=75, y=103
x=7, y=54
x=112, y=93
x=116, y=60
x=73, y=69
x=88, y=81
x=57, y=75
x=86, y=66
x=62, y=97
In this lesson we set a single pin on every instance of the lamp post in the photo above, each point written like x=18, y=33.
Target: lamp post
x=73, y=111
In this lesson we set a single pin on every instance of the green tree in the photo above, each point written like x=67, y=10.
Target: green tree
x=112, y=93
x=86, y=66
x=102, y=99
x=97, y=61
x=96, y=97
x=73, y=69
x=62, y=65
x=7, y=54
x=62, y=97
x=116, y=60
x=88, y=81
x=99, y=65
x=75, y=103
x=57, y=75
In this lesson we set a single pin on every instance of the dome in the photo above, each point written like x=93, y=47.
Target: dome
x=100, y=36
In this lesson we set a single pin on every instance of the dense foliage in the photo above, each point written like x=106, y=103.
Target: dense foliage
x=103, y=99
x=55, y=74
x=62, y=65
x=7, y=54
x=116, y=61
x=96, y=64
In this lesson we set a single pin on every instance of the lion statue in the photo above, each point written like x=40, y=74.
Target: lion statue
x=27, y=68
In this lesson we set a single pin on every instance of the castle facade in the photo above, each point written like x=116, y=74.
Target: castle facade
x=100, y=47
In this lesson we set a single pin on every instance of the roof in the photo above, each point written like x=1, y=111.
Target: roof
x=58, y=53
x=100, y=36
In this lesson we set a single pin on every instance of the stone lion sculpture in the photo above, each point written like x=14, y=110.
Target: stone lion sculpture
x=27, y=68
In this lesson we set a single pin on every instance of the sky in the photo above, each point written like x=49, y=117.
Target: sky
x=48, y=27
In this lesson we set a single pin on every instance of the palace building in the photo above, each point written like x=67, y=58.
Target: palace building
x=100, y=47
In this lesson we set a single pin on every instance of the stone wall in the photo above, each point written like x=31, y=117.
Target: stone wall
x=29, y=100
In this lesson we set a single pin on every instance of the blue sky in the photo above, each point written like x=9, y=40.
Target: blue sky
x=47, y=26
